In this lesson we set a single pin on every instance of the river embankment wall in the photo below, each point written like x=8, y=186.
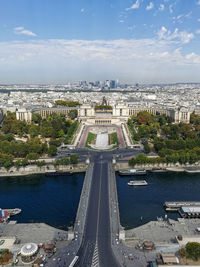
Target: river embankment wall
x=188, y=168
x=34, y=169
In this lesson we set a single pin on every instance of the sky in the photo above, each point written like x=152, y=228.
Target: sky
x=134, y=41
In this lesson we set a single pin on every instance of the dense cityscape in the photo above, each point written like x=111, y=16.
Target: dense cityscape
x=60, y=132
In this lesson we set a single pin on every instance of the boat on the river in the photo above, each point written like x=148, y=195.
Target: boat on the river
x=137, y=183
x=58, y=173
x=6, y=213
x=132, y=172
x=176, y=205
x=12, y=212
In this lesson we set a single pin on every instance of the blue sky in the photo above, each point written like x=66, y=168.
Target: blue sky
x=48, y=41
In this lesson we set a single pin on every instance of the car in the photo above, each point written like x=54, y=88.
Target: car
x=16, y=261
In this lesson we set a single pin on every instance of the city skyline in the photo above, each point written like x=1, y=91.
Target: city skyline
x=133, y=41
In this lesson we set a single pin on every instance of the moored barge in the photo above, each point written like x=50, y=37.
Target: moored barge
x=58, y=173
x=132, y=172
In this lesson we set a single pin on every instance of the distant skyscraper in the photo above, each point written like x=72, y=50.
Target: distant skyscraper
x=97, y=84
x=112, y=84
x=82, y=83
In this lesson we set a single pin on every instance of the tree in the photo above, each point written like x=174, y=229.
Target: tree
x=55, y=142
x=61, y=133
x=17, y=164
x=147, y=149
x=159, y=144
x=6, y=160
x=73, y=159
x=36, y=118
x=65, y=161
x=141, y=158
x=24, y=162
x=194, y=118
x=193, y=250
x=52, y=150
x=67, y=103
x=32, y=156
x=73, y=114
x=144, y=117
x=132, y=162
x=33, y=131
x=162, y=120
x=40, y=163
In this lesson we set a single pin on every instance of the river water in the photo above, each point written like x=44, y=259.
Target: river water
x=54, y=200
x=147, y=201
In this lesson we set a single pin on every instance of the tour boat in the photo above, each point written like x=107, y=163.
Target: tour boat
x=138, y=182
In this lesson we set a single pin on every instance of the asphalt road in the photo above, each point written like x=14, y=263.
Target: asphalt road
x=96, y=243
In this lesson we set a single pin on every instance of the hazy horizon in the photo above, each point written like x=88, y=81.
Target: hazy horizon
x=134, y=41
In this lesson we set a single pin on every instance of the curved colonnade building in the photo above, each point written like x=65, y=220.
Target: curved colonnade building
x=119, y=114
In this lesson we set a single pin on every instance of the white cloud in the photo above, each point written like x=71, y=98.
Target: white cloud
x=82, y=10
x=150, y=6
x=198, y=20
x=22, y=31
x=134, y=6
x=171, y=9
x=161, y=7
x=177, y=36
x=198, y=31
x=121, y=21
x=64, y=60
x=198, y=3
x=189, y=15
x=179, y=16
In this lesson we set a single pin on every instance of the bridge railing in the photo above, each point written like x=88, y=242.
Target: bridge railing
x=83, y=203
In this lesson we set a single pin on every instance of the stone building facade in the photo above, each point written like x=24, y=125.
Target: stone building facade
x=119, y=114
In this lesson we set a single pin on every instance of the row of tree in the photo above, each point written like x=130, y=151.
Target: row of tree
x=142, y=159
x=181, y=156
x=54, y=126
x=67, y=103
x=73, y=159
x=103, y=107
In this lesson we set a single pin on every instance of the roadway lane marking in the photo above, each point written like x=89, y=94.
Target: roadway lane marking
x=96, y=254
x=99, y=201
x=95, y=259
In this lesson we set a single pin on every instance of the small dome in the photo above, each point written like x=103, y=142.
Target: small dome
x=29, y=249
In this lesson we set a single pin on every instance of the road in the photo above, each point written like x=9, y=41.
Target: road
x=94, y=248
x=96, y=243
x=84, y=153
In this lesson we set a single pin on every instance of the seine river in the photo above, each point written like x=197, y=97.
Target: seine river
x=54, y=200
x=147, y=201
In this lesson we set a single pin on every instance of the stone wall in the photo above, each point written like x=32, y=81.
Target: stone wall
x=34, y=169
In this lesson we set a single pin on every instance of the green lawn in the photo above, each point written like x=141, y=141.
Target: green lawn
x=90, y=139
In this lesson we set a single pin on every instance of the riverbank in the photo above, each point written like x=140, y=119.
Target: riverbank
x=163, y=233
x=34, y=169
x=189, y=168
x=16, y=235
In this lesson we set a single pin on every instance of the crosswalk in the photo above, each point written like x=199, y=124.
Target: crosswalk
x=95, y=259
